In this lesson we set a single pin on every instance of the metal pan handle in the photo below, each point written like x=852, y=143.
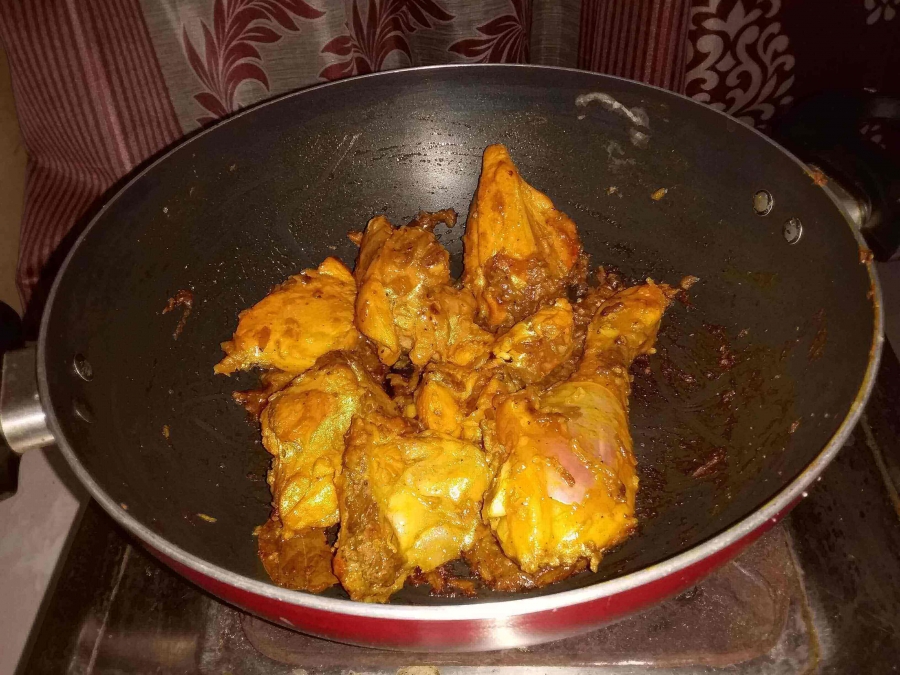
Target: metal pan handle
x=825, y=131
x=23, y=424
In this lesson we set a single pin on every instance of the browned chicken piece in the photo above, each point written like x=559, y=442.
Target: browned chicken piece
x=520, y=252
x=456, y=399
x=376, y=234
x=624, y=327
x=255, y=400
x=307, y=316
x=303, y=427
x=301, y=562
x=488, y=562
x=583, y=310
x=535, y=346
x=379, y=230
x=406, y=303
x=448, y=332
x=408, y=500
x=431, y=219
x=565, y=490
x=444, y=583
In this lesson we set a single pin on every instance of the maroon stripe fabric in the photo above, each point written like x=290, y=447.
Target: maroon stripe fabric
x=639, y=39
x=92, y=105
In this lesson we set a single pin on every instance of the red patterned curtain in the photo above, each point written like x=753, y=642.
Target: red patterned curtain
x=641, y=40
x=101, y=85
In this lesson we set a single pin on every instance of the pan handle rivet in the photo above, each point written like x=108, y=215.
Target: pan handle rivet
x=83, y=368
x=763, y=202
x=792, y=230
x=82, y=411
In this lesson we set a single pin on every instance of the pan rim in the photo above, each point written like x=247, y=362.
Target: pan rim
x=771, y=510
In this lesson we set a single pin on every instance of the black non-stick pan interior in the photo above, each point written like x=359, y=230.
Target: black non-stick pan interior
x=753, y=376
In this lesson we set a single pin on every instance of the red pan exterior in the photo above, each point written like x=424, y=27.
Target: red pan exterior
x=471, y=634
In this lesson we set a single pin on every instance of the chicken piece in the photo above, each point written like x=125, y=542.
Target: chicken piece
x=307, y=316
x=406, y=303
x=378, y=231
x=520, y=252
x=440, y=400
x=455, y=399
x=488, y=562
x=303, y=427
x=408, y=500
x=535, y=346
x=301, y=562
x=565, y=490
x=255, y=400
x=589, y=300
x=449, y=332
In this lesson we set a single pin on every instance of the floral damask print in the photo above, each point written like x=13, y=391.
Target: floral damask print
x=880, y=9
x=506, y=38
x=738, y=60
x=369, y=39
x=229, y=55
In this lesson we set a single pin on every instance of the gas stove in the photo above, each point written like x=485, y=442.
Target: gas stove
x=819, y=593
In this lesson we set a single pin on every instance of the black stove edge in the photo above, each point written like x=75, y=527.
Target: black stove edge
x=846, y=537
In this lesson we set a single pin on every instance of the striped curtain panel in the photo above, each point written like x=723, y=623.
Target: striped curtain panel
x=642, y=40
x=92, y=104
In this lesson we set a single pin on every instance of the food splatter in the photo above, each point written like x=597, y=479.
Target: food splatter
x=818, y=177
x=184, y=299
x=817, y=347
x=712, y=464
x=687, y=282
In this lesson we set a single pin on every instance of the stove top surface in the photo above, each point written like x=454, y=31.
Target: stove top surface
x=819, y=593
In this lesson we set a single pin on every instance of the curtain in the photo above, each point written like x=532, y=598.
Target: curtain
x=102, y=85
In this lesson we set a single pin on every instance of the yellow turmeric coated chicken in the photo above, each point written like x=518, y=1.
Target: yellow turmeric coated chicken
x=303, y=427
x=307, y=316
x=520, y=252
x=455, y=399
x=535, y=346
x=408, y=500
x=431, y=419
x=565, y=490
x=406, y=304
